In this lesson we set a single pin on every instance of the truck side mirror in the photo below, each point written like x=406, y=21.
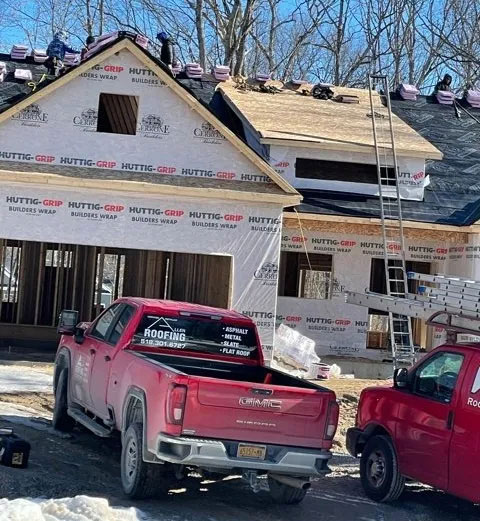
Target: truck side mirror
x=400, y=378
x=67, y=322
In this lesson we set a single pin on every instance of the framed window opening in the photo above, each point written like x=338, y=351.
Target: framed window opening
x=117, y=114
x=306, y=277
x=323, y=170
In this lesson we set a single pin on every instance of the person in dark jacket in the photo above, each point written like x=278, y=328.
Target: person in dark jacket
x=56, y=52
x=444, y=84
x=167, y=52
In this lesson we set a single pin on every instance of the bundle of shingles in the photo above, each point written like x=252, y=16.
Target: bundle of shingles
x=408, y=92
x=473, y=98
x=39, y=55
x=3, y=71
x=18, y=52
x=142, y=41
x=193, y=70
x=445, y=97
x=23, y=74
x=299, y=81
x=221, y=72
x=177, y=67
x=263, y=76
x=71, y=59
x=100, y=42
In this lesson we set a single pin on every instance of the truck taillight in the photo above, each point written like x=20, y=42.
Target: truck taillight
x=332, y=420
x=177, y=397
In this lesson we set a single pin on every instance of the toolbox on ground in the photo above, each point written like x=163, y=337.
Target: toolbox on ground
x=14, y=451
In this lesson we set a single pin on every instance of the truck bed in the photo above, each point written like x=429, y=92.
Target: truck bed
x=231, y=371
x=234, y=401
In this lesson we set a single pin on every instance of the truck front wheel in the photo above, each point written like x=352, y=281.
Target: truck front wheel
x=379, y=473
x=285, y=494
x=61, y=421
x=140, y=480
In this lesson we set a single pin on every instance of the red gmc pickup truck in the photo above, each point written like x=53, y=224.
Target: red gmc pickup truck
x=425, y=428
x=186, y=386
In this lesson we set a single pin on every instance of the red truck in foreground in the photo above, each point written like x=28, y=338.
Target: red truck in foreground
x=425, y=428
x=187, y=388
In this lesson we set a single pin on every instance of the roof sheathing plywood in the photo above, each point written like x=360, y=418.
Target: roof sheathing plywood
x=306, y=121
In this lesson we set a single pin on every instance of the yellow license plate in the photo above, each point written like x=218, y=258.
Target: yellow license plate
x=251, y=451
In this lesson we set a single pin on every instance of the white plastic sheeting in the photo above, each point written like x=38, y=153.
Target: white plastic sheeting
x=293, y=352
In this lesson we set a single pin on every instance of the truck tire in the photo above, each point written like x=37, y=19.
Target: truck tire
x=61, y=421
x=285, y=494
x=381, y=479
x=140, y=480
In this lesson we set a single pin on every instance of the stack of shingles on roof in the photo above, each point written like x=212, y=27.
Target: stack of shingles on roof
x=193, y=70
x=19, y=52
x=11, y=89
x=39, y=55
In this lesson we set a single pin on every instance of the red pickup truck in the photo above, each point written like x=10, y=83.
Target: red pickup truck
x=187, y=388
x=425, y=428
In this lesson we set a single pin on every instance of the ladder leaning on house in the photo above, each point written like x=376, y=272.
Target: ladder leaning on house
x=450, y=303
x=400, y=326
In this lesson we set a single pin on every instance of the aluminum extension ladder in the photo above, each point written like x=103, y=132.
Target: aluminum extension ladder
x=400, y=326
x=451, y=303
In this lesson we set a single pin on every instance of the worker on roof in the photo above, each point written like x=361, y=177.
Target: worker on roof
x=56, y=52
x=88, y=42
x=167, y=52
x=444, y=84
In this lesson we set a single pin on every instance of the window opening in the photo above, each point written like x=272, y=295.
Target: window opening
x=117, y=114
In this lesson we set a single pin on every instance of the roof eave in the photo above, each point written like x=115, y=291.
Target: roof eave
x=432, y=153
x=475, y=228
x=42, y=178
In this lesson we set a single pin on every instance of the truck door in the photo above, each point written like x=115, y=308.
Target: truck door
x=464, y=462
x=84, y=356
x=100, y=375
x=423, y=430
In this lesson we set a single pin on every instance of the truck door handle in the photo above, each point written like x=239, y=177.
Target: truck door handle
x=92, y=351
x=450, y=420
x=107, y=358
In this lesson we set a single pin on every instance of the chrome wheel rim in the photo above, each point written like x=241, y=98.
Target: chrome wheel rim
x=131, y=461
x=376, y=469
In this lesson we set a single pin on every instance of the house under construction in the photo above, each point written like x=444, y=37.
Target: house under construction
x=120, y=178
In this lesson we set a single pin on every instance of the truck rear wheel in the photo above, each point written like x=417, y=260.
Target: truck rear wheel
x=61, y=421
x=285, y=494
x=379, y=473
x=140, y=480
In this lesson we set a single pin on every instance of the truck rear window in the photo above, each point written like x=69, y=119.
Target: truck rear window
x=194, y=334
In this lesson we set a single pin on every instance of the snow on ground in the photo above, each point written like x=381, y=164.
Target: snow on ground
x=15, y=379
x=79, y=508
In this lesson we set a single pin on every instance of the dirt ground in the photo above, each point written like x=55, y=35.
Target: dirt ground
x=80, y=463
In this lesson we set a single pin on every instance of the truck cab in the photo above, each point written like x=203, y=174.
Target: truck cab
x=425, y=428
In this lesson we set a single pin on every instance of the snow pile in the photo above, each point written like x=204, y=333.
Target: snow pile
x=15, y=379
x=79, y=508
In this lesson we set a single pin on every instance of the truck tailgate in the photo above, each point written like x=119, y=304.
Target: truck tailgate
x=258, y=413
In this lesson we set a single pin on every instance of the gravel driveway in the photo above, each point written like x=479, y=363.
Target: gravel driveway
x=83, y=464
